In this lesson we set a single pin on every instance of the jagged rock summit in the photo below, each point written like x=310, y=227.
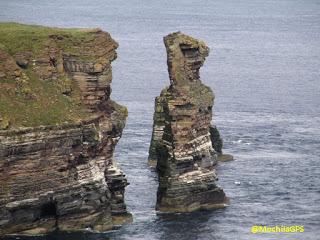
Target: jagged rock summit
x=59, y=131
x=181, y=146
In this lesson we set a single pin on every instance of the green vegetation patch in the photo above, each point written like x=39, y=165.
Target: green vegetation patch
x=46, y=107
x=16, y=38
x=26, y=100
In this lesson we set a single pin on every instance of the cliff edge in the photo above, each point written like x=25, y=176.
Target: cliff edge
x=181, y=145
x=58, y=131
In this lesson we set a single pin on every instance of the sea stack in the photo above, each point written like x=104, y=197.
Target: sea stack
x=181, y=146
x=58, y=131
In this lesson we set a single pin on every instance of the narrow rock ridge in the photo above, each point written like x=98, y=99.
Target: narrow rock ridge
x=64, y=176
x=181, y=146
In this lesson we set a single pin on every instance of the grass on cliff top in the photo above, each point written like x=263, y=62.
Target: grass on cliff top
x=17, y=38
x=49, y=107
x=37, y=102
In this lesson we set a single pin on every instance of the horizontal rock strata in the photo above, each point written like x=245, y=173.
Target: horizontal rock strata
x=181, y=145
x=64, y=177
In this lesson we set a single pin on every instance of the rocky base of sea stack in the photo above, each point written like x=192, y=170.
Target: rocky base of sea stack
x=189, y=192
x=181, y=146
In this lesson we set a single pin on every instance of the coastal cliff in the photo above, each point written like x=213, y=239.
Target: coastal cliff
x=58, y=131
x=181, y=146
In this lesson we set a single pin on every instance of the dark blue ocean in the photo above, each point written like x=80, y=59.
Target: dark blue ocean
x=264, y=67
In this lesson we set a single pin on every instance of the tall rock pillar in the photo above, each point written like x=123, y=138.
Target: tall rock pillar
x=181, y=146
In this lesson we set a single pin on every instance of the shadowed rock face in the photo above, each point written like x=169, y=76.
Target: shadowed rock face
x=181, y=146
x=64, y=177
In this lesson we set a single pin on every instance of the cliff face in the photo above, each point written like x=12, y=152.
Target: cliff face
x=58, y=172
x=181, y=142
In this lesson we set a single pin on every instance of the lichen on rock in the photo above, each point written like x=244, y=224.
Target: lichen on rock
x=58, y=131
x=181, y=146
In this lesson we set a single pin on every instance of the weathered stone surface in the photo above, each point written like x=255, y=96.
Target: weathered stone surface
x=181, y=144
x=64, y=177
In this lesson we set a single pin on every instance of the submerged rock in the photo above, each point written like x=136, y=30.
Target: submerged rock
x=61, y=176
x=181, y=145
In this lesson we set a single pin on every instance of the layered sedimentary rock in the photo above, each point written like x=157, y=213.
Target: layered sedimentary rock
x=181, y=143
x=63, y=176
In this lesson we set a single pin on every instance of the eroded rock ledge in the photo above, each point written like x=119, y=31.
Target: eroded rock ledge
x=61, y=176
x=181, y=144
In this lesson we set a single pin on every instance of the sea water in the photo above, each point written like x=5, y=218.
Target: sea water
x=264, y=67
